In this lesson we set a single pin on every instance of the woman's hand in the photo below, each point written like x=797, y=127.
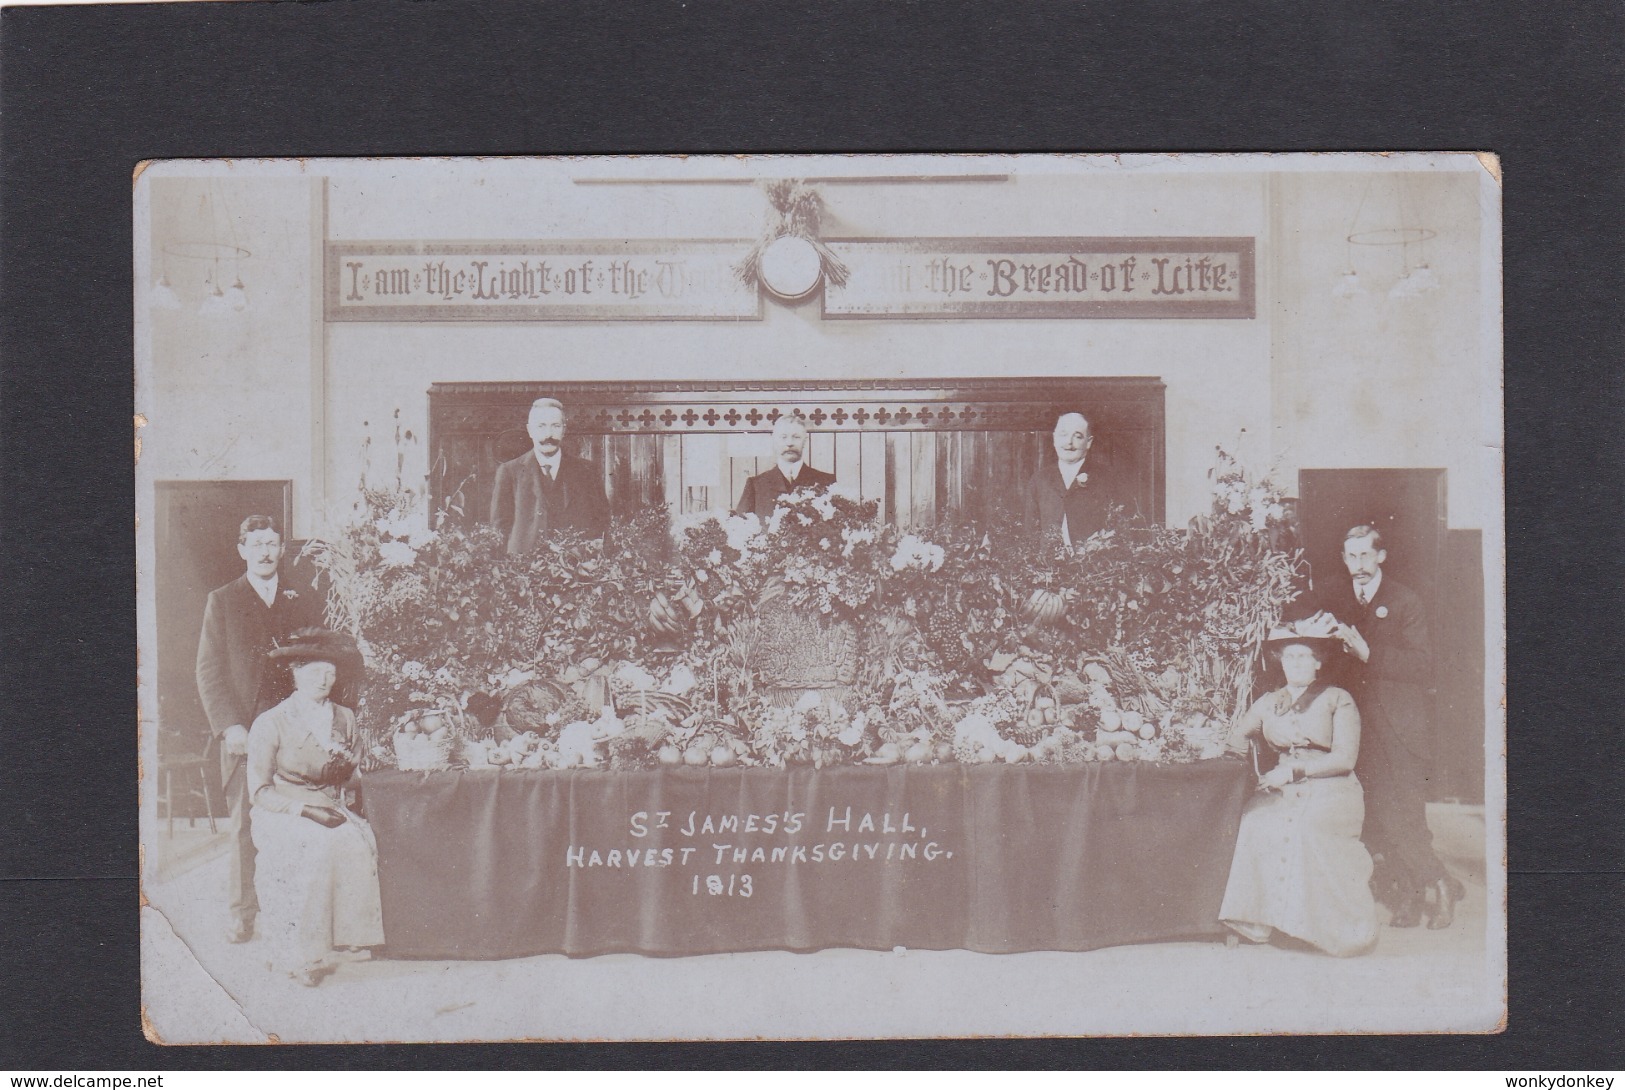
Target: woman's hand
x=1279, y=776
x=326, y=816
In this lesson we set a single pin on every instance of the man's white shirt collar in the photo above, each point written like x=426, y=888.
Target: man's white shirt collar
x=1370, y=588
x=548, y=462
x=265, y=588
x=1070, y=471
x=791, y=470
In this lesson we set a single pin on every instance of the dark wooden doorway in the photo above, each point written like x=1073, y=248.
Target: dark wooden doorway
x=1408, y=506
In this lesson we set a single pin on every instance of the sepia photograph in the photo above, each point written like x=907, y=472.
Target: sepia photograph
x=820, y=597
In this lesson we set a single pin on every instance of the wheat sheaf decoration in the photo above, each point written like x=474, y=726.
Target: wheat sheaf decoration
x=798, y=209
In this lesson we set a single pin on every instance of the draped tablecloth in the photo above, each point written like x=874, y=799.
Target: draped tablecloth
x=994, y=858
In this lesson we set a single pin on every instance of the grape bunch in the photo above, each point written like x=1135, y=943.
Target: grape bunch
x=944, y=634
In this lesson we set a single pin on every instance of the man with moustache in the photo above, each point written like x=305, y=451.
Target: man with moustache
x=791, y=473
x=242, y=622
x=1388, y=669
x=1061, y=498
x=546, y=489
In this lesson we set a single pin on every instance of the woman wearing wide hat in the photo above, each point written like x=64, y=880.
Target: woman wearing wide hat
x=318, y=860
x=1300, y=868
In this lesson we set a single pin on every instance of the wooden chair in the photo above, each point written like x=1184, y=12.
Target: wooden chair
x=185, y=765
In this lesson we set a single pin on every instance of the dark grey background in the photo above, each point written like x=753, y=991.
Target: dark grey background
x=86, y=92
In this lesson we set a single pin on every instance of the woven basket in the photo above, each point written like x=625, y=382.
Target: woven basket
x=416, y=753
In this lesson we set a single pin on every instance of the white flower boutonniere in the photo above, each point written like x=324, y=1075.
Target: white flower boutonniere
x=1382, y=611
x=290, y=594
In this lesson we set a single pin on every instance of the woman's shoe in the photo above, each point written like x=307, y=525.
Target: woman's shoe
x=1443, y=912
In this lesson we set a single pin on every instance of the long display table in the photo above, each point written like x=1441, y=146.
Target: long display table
x=994, y=858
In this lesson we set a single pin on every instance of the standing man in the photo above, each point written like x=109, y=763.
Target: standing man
x=1388, y=670
x=762, y=491
x=1060, y=498
x=546, y=489
x=242, y=622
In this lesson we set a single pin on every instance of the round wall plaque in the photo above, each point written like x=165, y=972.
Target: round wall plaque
x=790, y=267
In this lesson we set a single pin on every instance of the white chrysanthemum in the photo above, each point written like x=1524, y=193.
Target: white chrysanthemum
x=914, y=552
x=397, y=554
x=744, y=531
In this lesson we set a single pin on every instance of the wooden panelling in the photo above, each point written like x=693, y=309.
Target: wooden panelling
x=921, y=450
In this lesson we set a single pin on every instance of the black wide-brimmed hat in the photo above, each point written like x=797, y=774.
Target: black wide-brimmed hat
x=319, y=645
x=1285, y=636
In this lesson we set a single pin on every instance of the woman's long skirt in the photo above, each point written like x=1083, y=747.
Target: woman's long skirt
x=1301, y=869
x=318, y=887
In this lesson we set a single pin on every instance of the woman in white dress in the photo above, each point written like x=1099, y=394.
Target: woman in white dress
x=317, y=874
x=1300, y=868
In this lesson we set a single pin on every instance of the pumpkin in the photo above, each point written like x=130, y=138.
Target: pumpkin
x=664, y=617
x=1044, y=607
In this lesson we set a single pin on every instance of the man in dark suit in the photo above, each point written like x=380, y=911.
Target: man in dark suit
x=242, y=621
x=792, y=473
x=1388, y=669
x=1061, y=498
x=546, y=489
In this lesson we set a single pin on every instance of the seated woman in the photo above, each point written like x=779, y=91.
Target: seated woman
x=317, y=872
x=1300, y=867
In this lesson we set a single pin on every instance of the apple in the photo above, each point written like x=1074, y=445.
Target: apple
x=670, y=755
x=1125, y=752
x=1148, y=732
x=696, y=755
x=723, y=757
x=430, y=723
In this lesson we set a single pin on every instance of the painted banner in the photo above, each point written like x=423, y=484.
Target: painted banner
x=633, y=279
x=1043, y=278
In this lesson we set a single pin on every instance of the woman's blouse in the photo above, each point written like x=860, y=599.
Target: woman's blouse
x=1287, y=723
x=301, y=753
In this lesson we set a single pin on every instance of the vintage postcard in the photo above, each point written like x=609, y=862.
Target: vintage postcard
x=820, y=597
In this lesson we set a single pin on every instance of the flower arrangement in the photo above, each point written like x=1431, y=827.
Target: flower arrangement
x=663, y=643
